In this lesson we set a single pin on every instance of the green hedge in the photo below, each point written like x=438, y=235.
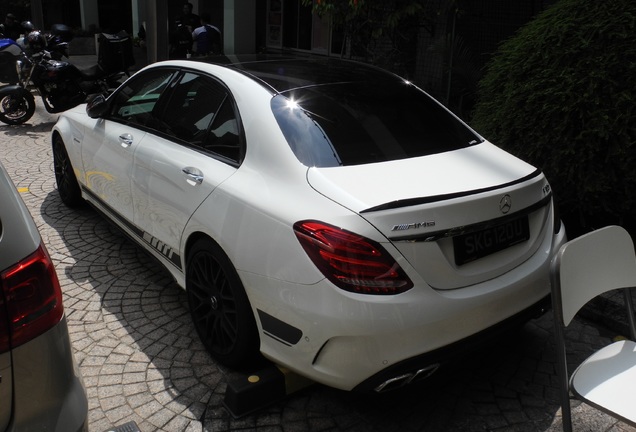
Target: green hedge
x=561, y=94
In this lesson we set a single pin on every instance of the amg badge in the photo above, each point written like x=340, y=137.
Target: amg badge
x=414, y=225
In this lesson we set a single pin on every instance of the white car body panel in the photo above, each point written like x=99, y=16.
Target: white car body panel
x=243, y=224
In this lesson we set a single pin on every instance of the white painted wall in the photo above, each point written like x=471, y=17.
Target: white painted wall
x=89, y=13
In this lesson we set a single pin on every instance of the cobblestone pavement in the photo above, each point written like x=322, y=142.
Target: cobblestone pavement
x=142, y=361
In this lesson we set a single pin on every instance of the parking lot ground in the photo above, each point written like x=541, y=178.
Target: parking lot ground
x=142, y=361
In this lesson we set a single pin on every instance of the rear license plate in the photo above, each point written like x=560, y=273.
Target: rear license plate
x=478, y=244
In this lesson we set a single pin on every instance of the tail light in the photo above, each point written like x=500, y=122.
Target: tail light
x=351, y=262
x=30, y=300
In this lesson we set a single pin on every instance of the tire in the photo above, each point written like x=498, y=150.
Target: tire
x=17, y=107
x=67, y=185
x=219, y=307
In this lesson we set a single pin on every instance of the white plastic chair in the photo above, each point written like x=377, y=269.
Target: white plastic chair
x=585, y=267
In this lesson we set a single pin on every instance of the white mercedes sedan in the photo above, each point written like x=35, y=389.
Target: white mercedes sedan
x=325, y=214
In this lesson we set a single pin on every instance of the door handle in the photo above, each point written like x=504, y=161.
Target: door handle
x=125, y=140
x=193, y=175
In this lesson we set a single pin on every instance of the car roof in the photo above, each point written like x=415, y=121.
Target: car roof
x=288, y=73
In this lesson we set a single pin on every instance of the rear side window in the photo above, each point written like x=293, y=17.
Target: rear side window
x=223, y=138
x=360, y=123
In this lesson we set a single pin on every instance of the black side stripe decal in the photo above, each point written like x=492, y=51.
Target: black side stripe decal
x=138, y=235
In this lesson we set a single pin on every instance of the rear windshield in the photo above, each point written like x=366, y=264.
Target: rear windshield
x=357, y=123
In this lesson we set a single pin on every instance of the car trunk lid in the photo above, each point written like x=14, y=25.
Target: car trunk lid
x=459, y=218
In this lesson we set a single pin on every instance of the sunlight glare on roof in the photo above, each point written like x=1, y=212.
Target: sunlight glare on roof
x=291, y=104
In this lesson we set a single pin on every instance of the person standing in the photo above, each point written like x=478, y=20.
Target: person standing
x=180, y=42
x=11, y=28
x=189, y=19
x=207, y=38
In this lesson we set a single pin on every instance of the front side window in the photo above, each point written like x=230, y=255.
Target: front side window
x=360, y=123
x=136, y=102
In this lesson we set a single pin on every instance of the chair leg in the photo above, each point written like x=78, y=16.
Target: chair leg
x=564, y=389
x=563, y=378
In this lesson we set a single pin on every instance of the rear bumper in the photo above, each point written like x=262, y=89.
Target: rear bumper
x=352, y=341
x=48, y=395
x=423, y=366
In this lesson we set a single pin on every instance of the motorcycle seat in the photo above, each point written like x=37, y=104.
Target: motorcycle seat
x=92, y=72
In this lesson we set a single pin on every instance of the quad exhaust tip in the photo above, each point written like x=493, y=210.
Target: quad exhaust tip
x=407, y=378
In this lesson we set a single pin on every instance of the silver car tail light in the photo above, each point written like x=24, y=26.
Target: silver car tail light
x=31, y=300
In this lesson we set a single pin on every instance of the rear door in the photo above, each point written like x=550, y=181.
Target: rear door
x=197, y=147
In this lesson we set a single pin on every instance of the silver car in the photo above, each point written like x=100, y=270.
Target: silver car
x=40, y=386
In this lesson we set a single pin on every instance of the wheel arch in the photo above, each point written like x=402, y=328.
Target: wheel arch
x=55, y=134
x=66, y=172
x=251, y=338
x=73, y=153
x=193, y=238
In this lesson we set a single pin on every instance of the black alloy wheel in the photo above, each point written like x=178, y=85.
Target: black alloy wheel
x=67, y=185
x=219, y=307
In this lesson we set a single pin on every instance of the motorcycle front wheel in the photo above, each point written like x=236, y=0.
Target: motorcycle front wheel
x=16, y=107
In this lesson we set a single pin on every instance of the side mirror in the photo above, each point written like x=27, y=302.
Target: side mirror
x=97, y=106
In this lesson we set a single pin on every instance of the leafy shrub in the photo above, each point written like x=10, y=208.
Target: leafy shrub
x=561, y=95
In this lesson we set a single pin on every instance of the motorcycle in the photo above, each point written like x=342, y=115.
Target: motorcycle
x=17, y=104
x=57, y=39
x=61, y=84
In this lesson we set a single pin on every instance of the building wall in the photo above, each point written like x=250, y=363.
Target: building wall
x=448, y=55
